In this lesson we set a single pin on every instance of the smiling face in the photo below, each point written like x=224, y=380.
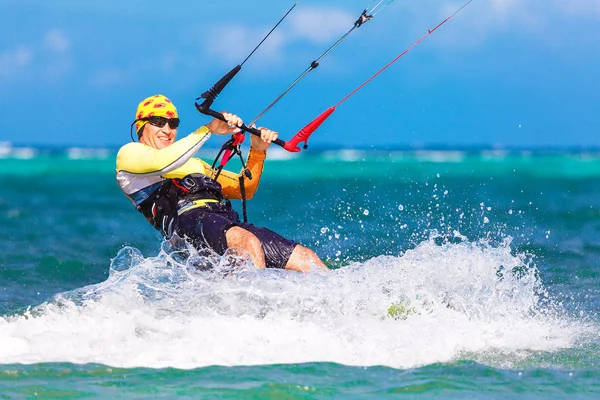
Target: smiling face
x=156, y=121
x=157, y=137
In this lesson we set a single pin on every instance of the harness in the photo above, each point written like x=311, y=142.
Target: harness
x=163, y=207
x=228, y=150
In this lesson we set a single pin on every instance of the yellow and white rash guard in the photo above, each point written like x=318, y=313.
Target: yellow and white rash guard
x=142, y=169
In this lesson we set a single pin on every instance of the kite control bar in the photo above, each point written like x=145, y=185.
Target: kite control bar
x=210, y=95
x=204, y=108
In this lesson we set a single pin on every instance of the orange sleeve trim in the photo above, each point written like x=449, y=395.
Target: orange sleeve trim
x=231, y=182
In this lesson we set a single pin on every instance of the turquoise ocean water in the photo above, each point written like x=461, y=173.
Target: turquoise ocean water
x=494, y=256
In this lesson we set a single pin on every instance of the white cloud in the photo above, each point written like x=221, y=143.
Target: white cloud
x=543, y=15
x=49, y=59
x=169, y=61
x=107, y=77
x=544, y=21
x=589, y=8
x=56, y=41
x=233, y=43
x=130, y=73
x=56, y=57
x=309, y=25
x=58, y=68
x=14, y=61
x=480, y=21
x=319, y=25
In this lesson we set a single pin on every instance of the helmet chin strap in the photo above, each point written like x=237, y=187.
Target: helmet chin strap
x=131, y=130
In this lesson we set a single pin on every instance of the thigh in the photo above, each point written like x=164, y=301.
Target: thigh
x=204, y=228
x=276, y=248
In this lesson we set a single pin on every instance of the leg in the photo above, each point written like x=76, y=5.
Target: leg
x=303, y=259
x=241, y=238
x=283, y=253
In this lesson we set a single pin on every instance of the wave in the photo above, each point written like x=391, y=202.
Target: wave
x=442, y=301
x=79, y=153
x=24, y=153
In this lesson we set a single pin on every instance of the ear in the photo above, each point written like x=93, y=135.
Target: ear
x=140, y=131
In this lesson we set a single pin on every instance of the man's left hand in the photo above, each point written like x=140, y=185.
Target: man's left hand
x=264, y=141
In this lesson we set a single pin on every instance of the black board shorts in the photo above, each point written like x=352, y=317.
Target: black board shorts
x=207, y=226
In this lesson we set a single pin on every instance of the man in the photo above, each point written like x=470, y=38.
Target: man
x=177, y=193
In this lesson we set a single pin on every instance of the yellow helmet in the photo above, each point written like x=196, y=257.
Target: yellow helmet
x=153, y=106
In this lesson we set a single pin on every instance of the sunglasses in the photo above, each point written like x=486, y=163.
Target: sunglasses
x=155, y=121
x=159, y=122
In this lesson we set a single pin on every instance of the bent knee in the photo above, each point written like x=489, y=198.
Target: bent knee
x=303, y=251
x=239, y=237
x=304, y=259
x=306, y=252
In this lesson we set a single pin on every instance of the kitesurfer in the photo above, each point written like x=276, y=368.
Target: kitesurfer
x=178, y=195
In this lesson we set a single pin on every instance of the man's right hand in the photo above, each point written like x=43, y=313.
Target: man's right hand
x=223, y=128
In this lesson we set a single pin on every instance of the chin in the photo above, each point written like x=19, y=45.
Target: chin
x=161, y=145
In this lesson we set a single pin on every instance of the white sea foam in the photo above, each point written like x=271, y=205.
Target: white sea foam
x=158, y=312
x=5, y=149
x=440, y=156
x=277, y=153
x=349, y=155
x=8, y=151
x=78, y=153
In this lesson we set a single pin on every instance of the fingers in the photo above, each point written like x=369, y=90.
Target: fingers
x=267, y=135
x=261, y=143
x=230, y=125
x=233, y=121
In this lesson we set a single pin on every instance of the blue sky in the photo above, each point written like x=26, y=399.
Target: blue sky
x=501, y=73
